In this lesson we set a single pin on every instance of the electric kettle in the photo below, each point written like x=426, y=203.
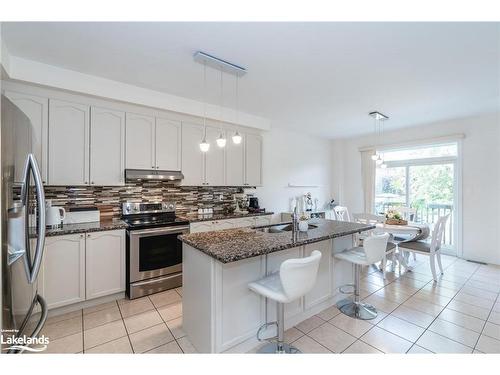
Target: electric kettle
x=54, y=215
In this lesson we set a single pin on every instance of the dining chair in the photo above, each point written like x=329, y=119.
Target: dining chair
x=341, y=213
x=408, y=214
x=432, y=248
x=391, y=248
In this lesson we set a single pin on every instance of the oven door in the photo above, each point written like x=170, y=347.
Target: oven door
x=155, y=252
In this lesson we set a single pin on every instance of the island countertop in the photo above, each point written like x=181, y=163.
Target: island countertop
x=231, y=245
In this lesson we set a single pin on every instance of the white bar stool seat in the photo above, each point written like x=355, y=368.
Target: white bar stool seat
x=373, y=251
x=295, y=278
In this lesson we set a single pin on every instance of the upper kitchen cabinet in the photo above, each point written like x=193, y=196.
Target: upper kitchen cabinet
x=168, y=144
x=68, y=143
x=36, y=108
x=192, y=157
x=140, y=142
x=253, y=160
x=214, y=159
x=107, y=147
x=235, y=162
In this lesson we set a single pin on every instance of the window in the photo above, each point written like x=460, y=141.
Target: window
x=423, y=179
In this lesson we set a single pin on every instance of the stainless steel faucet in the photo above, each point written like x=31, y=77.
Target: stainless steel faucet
x=295, y=222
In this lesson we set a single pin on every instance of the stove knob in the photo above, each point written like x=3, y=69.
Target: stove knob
x=127, y=209
x=170, y=206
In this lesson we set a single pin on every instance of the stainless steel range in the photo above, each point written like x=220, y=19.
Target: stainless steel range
x=154, y=253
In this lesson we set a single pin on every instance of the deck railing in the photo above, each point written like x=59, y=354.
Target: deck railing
x=429, y=214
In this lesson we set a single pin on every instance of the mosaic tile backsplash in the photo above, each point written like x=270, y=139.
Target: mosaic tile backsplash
x=187, y=198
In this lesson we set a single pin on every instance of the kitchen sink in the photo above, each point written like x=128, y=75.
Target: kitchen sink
x=280, y=228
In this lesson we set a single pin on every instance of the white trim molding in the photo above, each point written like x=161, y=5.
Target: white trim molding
x=415, y=142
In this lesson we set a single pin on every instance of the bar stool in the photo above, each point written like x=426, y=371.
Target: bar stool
x=372, y=251
x=295, y=278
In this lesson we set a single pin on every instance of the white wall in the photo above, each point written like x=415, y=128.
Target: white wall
x=290, y=157
x=480, y=182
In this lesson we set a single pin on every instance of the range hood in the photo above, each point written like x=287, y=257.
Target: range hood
x=152, y=175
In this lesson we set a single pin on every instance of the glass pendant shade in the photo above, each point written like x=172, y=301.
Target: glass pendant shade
x=374, y=157
x=237, y=138
x=204, y=145
x=221, y=141
x=383, y=166
x=379, y=161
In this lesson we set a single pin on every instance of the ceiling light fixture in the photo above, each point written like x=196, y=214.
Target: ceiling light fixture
x=237, y=137
x=221, y=141
x=378, y=118
x=204, y=145
x=229, y=68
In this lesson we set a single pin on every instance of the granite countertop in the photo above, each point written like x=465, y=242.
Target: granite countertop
x=231, y=245
x=193, y=218
x=86, y=227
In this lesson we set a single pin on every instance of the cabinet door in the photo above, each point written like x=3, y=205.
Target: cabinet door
x=68, y=143
x=263, y=220
x=107, y=147
x=62, y=276
x=235, y=163
x=253, y=160
x=37, y=110
x=192, y=157
x=214, y=159
x=105, y=263
x=140, y=142
x=168, y=144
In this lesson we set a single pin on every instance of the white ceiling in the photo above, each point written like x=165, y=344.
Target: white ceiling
x=318, y=78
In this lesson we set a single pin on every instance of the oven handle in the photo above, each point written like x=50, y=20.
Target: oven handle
x=153, y=231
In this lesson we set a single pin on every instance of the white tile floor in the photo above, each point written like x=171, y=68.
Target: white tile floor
x=459, y=314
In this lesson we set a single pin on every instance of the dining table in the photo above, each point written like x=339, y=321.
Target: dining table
x=412, y=231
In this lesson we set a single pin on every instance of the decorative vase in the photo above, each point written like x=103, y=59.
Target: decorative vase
x=303, y=225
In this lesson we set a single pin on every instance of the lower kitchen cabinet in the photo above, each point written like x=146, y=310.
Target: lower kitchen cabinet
x=62, y=273
x=79, y=267
x=207, y=226
x=105, y=263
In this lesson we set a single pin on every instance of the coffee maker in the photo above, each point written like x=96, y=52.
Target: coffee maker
x=253, y=203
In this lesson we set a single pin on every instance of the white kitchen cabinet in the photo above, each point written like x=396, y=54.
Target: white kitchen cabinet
x=105, y=263
x=68, y=143
x=214, y=160
x=36, y=108
x=192, y=158
x=253, y=160
x=235, y=162
x=62, y=275
x=140, y=142
x=262, y=220
x=210, y=225
x=107, y=147
x=168, y=144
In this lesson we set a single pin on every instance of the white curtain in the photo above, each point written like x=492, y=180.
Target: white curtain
x=368, y=179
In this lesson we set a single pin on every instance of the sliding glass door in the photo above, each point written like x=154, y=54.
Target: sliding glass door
x=428, y=184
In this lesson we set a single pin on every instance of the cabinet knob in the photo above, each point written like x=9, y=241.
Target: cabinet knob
x=88, y=235
x=81, y=235
x=92, y=182
x=153, y=167
x=85, y=182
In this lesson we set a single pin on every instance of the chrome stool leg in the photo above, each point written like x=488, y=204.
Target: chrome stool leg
x=357, y=309
x=279, y=347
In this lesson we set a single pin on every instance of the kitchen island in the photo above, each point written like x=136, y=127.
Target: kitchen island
x=220, y=313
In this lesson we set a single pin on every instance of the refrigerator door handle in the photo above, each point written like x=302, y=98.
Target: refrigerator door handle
x=32, y=166
x=43, y=318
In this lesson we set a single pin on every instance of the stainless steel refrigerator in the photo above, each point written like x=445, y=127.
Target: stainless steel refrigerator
x=22, y=231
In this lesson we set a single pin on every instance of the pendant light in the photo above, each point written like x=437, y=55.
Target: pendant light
x=378, y=117
x=237, y=137
x=221, y=141
x=204, y=145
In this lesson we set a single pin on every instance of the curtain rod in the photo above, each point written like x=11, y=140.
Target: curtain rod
x=415, y=142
